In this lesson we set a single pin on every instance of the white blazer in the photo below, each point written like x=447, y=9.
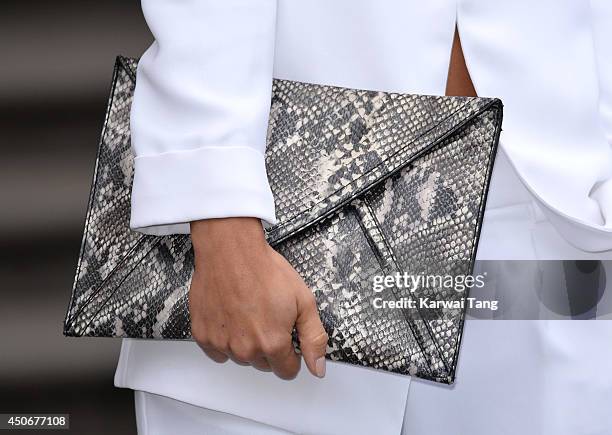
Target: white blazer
x=199, y=123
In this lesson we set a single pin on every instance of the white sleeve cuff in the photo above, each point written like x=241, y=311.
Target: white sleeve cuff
x=172, y=189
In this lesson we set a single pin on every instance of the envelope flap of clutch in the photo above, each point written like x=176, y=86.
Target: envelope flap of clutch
x=340, y=143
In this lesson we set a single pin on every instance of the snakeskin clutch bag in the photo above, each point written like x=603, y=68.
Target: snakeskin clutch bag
x=368, y=186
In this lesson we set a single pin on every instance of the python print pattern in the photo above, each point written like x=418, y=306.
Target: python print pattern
x=366, y=184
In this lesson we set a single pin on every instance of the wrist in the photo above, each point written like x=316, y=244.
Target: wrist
x=223, y=234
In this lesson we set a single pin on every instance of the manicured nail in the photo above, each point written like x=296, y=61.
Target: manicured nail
x=320, y=367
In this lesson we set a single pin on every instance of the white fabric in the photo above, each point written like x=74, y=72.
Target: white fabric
x=203, y=94
x=544, y=377
x=522, y=377
x=538, y=57
x=602, y=17
x=200, y=113
x=347, y=400
x=159, y=415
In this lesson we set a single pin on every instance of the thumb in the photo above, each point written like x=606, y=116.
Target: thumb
x=312, y=335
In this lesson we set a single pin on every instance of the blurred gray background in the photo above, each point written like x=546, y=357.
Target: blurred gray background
x=56, y=61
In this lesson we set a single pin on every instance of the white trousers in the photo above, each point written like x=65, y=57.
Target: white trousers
x=159, y=415
x=517, y=377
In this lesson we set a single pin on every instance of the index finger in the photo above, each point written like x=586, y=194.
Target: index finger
x=283, y=359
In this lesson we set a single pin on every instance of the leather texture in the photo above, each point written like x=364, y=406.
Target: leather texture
x=365, y=184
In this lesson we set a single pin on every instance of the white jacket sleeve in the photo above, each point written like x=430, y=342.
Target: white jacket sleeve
x=200, y=113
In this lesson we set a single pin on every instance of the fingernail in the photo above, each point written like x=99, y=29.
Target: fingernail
x=320, y=367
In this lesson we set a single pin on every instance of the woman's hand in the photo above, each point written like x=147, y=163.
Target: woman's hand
x=245, y=299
